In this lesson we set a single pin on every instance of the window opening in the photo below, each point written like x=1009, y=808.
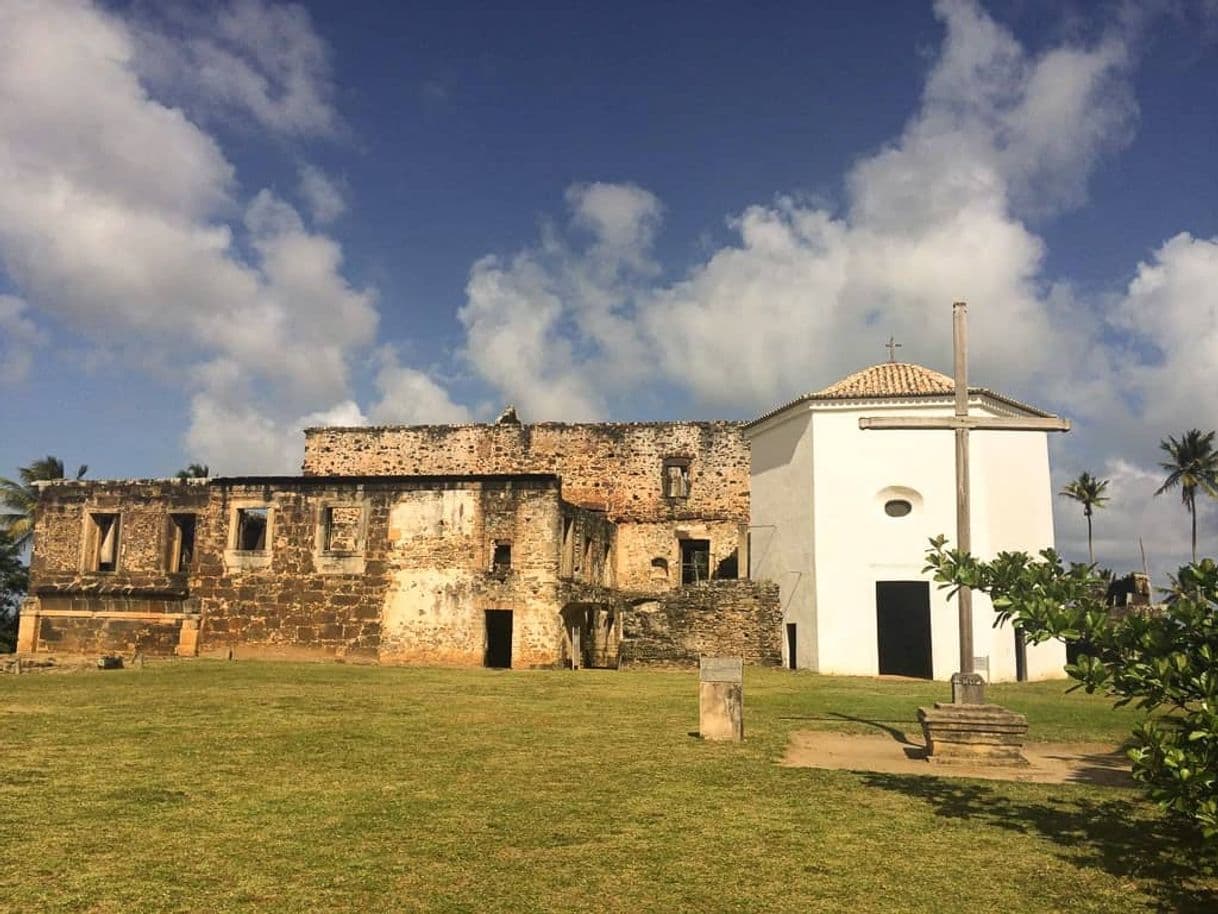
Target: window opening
x=676, y=477
x=502, y=561
x=340, y=526
x=104, y=546
x=897, y=507
x=567, y=561
x=695, y=561
x=251, y=529
x=659, y=569
x=181, y=541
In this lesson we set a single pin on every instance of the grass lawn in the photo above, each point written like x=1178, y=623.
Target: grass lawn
x=236, y=787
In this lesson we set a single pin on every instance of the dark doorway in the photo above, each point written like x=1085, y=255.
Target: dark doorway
x=903, y=628
x=1021, y=656
x=499, y=638
x=695, y=561
x=791, y=645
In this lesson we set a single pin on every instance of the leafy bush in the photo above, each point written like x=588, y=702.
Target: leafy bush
x=1162, y=660
x=13, y=582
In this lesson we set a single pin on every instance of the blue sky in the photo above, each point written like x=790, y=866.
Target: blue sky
x=220, y=223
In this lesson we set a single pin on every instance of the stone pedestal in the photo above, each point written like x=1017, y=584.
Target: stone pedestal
x=965, y=734
x=188, y=638
x=968, y=689
x=27, y=626
x=721, y=698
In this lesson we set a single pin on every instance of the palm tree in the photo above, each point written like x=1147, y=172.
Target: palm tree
x=1193, y=465
x=194, y=471
x=1088, y=491
x=17, y=499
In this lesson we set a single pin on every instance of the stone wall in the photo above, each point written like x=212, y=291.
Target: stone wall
x=91, y=634
x=381, y=568
x=442, y=577
x=649, y=555
x=613, y=467
x=138, y=607
x=59, y=563
x=283, y=600
x=721, y=619
x=390, y=569
x=586, y=547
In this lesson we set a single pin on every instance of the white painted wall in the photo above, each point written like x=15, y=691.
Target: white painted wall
x=782, y=540
x=831, y=541
x=1012, y=511
x=859, y=544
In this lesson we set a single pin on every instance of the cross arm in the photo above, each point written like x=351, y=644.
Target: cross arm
x=975, y=423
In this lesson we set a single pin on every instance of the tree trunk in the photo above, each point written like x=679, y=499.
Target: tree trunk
x=1192, y=509
x=1090, y=551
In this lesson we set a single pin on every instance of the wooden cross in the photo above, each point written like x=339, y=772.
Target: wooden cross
x=892, y=346
x=960, y=423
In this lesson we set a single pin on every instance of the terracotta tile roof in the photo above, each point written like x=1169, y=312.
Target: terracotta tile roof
x=888, y=379
x=897, y=381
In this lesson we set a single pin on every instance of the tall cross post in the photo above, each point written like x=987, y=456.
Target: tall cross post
x=960, y=422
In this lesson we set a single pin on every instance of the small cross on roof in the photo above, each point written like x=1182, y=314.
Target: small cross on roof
x=892, y=346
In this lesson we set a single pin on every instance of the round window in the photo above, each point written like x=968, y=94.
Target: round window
x=897, y=507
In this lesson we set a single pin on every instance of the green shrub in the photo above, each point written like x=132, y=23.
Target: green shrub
x=1161, y=659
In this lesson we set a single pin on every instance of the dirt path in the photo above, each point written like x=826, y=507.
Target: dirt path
x=1049, y=763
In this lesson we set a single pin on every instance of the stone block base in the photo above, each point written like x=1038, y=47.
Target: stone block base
x=721, y=711
x=973, y=734
x=188, y=638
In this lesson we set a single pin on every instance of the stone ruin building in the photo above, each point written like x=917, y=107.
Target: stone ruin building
x=505, y=545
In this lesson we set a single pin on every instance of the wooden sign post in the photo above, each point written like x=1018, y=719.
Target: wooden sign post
x=967, y=686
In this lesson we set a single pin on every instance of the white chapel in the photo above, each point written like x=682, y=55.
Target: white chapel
x=841, y=520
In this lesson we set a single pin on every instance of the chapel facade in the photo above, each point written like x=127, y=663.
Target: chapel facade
x=842, y=519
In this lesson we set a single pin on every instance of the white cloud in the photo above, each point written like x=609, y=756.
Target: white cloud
x=324, y=198
x=1135, y=518
x=806, y=294
x=411, y=397
x=1171, y=311
x=120, y=216
x=553, y=328
x=116, y=218
x=256, y=59
x=238, y=439
x=19, y=338
x=1152, y=376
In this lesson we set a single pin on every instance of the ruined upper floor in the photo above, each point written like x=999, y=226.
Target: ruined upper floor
x=634, y=472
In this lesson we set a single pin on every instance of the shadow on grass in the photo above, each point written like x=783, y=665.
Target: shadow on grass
x=896, y=733
x=1171, y=865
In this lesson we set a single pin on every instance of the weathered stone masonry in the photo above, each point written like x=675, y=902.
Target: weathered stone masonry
x=616, y=468
x=413, y=589
x=145, y=607
x=724, y=618
x=496, y=559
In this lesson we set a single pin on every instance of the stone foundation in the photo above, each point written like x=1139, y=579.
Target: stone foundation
x=973, y=734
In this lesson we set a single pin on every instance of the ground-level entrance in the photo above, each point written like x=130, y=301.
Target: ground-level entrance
x=902, y=610
x=1021, y=655
x=498, y=638
x=790, y=645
